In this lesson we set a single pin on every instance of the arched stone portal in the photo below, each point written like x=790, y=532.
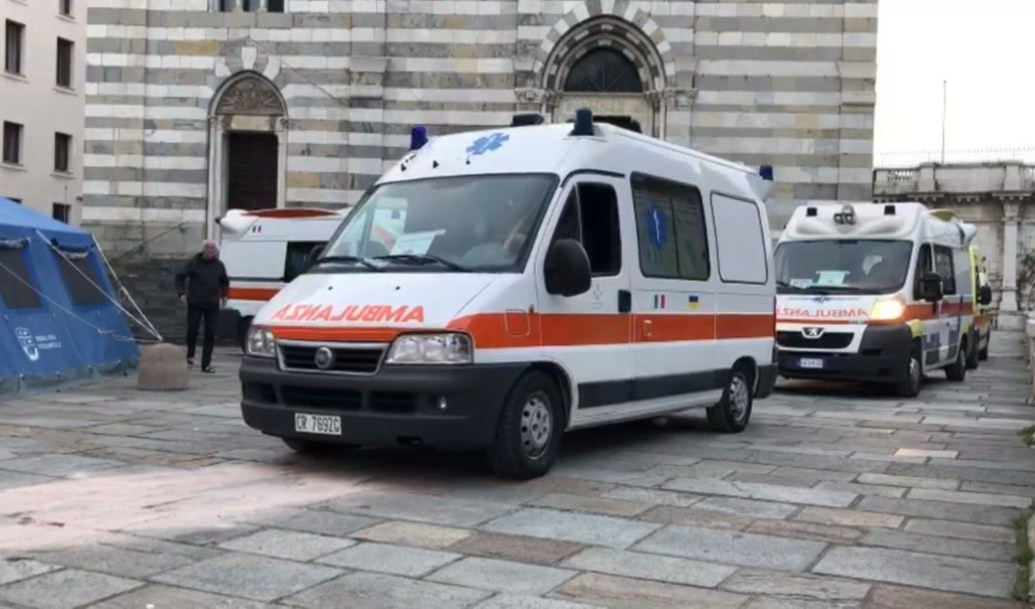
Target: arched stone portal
x=247, y=157
x=610, y=66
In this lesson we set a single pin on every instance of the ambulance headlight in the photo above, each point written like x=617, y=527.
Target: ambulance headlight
x=887, y=310
x=260, y=342
x=448, y=348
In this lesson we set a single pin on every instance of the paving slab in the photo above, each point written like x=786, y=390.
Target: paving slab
x=253, y=577
x=502, y=576
x=942, y=510
x=949, y=546
x=116, y=561
x=419, y=508
x=517, y=601
x=773, y=583
x=581, y=528
x=65, y=589
x=900, y=597
x=971, y=498
x=378, y=591
x=595, y=505
x=748, y=507
x=650, y=566
x=386, y=558
x=291, y=545
x=806, y=530
x=962, y=530
x=769, y=492
x=167, y=597
x=851, y=518
x=14, y=569
x=58, y=465
x=627, y=593
x=320, y=522
x=946, y=573
x=413, y=534
x=516, y=547
x=733, y=547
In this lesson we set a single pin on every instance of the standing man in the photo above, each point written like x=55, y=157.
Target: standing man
x=203, y=286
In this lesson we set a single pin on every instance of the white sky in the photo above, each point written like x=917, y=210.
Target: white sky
x=984, y=48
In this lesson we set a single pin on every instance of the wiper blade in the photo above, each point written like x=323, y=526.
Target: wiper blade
x=425, y=259
x=784, y=284
x=364, y=261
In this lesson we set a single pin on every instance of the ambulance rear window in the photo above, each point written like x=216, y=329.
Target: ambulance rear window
x=297, y=259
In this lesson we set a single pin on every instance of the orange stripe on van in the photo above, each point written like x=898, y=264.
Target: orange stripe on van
x=519, y=329
x=262, y=294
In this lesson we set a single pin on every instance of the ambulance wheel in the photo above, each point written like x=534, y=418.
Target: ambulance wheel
x=528, y=434
x=243, y=325
x=958, y=370
x=732, y=413
x=972, y=352
x=913, y=379
x=311, y=447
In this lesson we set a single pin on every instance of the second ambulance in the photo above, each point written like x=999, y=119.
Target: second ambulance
x=881, y=293
x=546, y=278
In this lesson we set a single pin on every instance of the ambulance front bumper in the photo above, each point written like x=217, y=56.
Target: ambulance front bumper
x=398, y=405
x=883, y=357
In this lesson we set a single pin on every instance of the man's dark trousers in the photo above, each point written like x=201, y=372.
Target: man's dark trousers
x=195, y=313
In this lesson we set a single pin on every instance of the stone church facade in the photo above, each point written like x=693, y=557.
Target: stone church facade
x=197, y=106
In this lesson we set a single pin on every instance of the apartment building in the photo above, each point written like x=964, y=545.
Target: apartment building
x=42, y=93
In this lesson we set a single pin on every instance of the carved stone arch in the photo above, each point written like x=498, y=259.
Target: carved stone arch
x=251, y=94
x=248, y=143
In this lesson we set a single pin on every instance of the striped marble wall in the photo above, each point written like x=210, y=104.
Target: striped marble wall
x=789, y=84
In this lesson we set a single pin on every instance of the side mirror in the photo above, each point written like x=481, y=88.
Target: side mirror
x=930, y=287
x=567, y=271
x=314, y=253
x=985, y=295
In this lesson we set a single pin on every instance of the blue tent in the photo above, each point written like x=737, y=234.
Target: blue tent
x=58, y=319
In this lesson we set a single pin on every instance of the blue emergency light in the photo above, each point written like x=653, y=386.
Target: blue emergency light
x=583, y=122
x=418, y=137
x=766, y=172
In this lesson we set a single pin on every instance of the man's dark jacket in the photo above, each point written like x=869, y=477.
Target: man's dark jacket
x=203, y=281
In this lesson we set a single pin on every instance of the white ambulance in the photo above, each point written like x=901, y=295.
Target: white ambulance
x=263, y=251
x=547, y=278
x=881, y=293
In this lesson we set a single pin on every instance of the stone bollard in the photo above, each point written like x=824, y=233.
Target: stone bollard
x=1029, y=352
x=163, y=367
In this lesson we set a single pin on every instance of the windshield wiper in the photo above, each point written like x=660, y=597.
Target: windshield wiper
x=784, y=284
x=425, y=259
x=364, y=261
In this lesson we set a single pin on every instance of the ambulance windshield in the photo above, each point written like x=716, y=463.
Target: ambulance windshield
x=453, y=224
x=842, y=266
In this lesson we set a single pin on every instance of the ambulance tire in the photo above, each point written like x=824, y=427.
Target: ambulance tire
x=957, y=372
x=523, y=449
x=972, y=352
x=312, y=447
x=913, y=380
x=732, y=413
x=243, y=325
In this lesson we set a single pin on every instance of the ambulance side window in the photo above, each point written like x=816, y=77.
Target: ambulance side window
x=944, y=267
x=923, y=265
x=670, y=229
x=590, y=216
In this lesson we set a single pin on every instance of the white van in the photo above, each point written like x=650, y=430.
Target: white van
x=881, y=293
x=263, y=250
x=547, y=278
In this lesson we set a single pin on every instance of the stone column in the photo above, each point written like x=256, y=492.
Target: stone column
x=1008, y=302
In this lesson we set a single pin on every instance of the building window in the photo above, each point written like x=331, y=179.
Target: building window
x=12, y=143
x=62, y=151
x=65, y=7
x=275, y=6
x=61, y=212
x=65, y=57
x=14, y=33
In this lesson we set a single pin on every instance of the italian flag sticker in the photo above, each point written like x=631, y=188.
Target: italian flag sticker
x=659, y=301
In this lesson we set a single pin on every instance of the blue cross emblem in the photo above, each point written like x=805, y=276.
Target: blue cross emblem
x=487, y=144
x=658, y=234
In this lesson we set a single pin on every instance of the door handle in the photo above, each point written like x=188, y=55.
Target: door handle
x=624, y=301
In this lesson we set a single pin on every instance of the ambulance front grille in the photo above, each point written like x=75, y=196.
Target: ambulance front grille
x=827, y=340
x=363, y=359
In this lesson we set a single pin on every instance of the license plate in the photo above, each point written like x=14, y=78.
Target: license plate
x=318, y=423
x=812, y=363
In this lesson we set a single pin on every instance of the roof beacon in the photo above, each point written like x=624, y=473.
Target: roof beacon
x=583, y=122
x=524, y=120
x=766, y=172
x=418, y=137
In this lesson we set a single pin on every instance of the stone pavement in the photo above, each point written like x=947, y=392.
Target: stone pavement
x=115, y=499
